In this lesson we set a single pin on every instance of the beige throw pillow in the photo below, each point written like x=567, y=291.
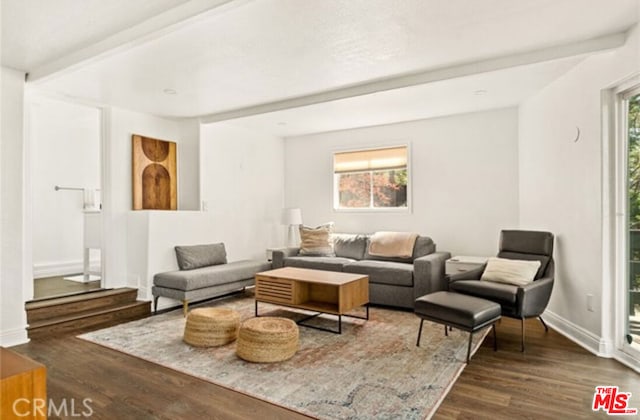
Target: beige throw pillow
x=317, y=241
x=516, y=272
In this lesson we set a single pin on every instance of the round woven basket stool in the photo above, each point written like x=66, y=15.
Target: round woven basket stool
x=209, y=327
x=267, y=339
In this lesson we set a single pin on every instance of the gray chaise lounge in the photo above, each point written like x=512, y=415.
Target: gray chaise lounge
x=204, y=273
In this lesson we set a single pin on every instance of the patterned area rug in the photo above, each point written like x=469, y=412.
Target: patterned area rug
x=372, y=370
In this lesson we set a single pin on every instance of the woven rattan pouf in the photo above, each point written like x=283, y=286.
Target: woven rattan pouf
x=267, y=339
x=209, y=327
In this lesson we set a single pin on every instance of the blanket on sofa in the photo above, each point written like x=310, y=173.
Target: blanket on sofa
x=392, y=244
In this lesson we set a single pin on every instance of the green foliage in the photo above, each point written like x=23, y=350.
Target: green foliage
x=634, y=190
x=634, y=162
x=401, y=177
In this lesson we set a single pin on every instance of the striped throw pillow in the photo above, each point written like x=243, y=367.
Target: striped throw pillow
x=317, y=241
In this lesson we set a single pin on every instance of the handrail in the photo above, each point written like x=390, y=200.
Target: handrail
x=58, y=188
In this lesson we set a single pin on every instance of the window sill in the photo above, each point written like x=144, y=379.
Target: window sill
x=405, y=210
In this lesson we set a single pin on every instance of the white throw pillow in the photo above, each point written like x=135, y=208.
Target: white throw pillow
x=516, y=272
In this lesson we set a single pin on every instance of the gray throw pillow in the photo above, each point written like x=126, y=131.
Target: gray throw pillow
x=350, y=245
x=196, y=256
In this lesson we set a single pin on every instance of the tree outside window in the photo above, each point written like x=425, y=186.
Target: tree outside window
x=634, y=190
x=371, y=179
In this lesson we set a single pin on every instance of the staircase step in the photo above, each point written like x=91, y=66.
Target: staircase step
x=77, y=304
x=90, y=319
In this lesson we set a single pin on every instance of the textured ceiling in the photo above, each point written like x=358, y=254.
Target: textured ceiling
x=37, y=31
x=272, y=50
x=497, y=89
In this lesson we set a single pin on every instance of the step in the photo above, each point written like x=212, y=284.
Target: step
x=89, y=320
x=68, y=305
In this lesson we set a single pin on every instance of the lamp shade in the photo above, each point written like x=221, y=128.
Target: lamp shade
x=292, y=216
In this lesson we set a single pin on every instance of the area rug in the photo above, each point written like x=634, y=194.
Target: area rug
x=372, y=370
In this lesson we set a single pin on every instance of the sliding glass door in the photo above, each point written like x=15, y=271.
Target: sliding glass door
x=631, y=132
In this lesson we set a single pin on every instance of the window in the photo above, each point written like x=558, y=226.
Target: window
x=371, y=179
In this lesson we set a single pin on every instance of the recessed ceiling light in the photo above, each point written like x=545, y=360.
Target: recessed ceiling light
x=169, y=91
x=480, y=92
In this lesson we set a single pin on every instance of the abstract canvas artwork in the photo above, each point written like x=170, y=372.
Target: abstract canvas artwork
x=154, y=174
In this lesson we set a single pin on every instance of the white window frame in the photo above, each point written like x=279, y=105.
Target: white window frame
x=397, y=210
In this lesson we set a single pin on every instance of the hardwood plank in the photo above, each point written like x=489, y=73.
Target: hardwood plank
x=77, y=304
x=47, y=287
x=93, y=319
x=83, y=298
x=554, y=378
x=62, y=315
x=121, y=386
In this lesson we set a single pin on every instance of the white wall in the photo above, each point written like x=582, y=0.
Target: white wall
x=14, y=261
x=242, y=180
x=189, y=165
x=561, y=183
x=118, y=194
x=152, y=238
x=464, y=178
x=242, y=189
x=65, y=140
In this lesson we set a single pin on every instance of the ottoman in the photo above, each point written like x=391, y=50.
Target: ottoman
x=467, y=313
x=267, y=340
x=210, y=327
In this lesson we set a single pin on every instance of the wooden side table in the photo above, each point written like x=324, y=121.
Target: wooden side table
x=23, y=389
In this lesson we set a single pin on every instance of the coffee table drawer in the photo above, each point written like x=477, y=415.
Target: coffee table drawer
x=278, y=290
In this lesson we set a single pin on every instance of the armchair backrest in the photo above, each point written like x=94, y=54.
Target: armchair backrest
x=529, y=245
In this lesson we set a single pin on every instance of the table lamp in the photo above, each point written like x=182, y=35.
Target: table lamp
x=293, y=218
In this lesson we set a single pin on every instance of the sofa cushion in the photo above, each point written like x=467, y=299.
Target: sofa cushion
x=196, y=256
x=424, y=246
x=211, y=275
x=383, y=272
x=504, y=294
x=318, y=263
x=350, y=245
x=316, y=241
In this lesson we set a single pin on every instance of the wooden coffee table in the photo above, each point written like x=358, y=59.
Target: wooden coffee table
x=324, y=292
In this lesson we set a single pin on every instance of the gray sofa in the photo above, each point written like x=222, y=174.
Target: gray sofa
x=392, y=281
x=204, y=273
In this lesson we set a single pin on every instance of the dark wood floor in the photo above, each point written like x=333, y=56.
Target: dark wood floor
x=47, y=287
x=554, y=379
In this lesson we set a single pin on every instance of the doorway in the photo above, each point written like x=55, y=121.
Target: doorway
x=66, y=167
x=629, y=283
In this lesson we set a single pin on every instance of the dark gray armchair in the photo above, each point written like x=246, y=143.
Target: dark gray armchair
x=519, y=302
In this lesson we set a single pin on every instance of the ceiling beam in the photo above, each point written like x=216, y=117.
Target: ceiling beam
x=412, y=79
x=152, y=28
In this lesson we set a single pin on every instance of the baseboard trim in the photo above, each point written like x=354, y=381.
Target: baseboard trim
x=579, y=335
x=62, y=268
x=626, y=360
x=14, y=337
